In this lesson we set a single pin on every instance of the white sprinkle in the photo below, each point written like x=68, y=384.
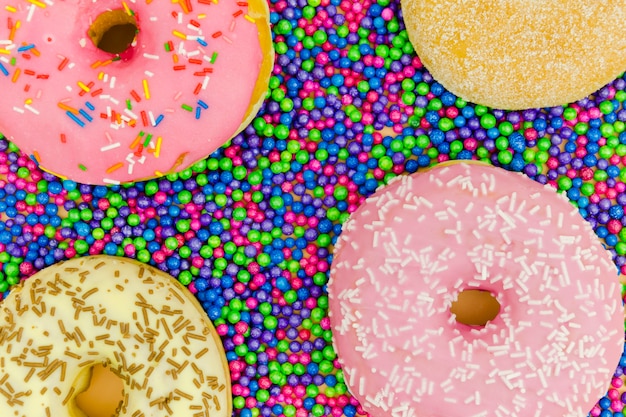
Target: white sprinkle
x=505, y=216
x=130, y=114
x=425, y=202
x=31, y=11
x=542, y=378
x=502, y=199
x=192, y=27
x=452, y=212
x=31, y=109
x=513, y=201
x=109, y=147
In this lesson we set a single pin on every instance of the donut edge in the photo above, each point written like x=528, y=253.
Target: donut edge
x=260, y=12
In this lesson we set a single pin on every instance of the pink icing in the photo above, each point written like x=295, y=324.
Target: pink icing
x=66, y=67
x=411, y=248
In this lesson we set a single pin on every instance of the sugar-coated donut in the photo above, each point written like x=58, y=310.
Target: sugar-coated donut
x=406, y=254
x=140, y=322
x=113, y=91
x=517, y=54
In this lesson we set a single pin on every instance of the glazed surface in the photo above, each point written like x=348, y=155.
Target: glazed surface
x=411, y=248
x=180, y=92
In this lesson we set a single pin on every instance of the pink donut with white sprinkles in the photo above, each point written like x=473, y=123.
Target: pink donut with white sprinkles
x=406, y=256
x=112, y=91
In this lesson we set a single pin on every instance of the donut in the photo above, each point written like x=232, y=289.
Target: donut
x=116, y=91
x=410, y=250
x=138, y=322
x=517, y=54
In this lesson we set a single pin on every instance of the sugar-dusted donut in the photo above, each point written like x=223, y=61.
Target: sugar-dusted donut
x=517, y=54
x=407, y=253
x=139, y=322
x=116, y=91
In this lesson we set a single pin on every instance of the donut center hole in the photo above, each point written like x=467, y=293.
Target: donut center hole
x=475, y=307
x=104, y=394
x=113, y=31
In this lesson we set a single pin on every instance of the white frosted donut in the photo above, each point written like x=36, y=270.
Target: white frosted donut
x=407, y=253
x=141, y=323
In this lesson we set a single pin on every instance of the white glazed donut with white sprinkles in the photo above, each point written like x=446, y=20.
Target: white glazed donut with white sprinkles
x=409, y=252
x=137, y=321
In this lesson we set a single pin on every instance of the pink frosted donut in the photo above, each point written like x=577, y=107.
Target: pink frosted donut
x=113, y=91
x=408, y=252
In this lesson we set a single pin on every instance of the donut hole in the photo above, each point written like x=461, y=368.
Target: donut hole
x=113, y=31
x=475, y=307
x=100, y=393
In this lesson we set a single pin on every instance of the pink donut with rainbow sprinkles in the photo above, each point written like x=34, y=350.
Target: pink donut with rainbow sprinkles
x=112, y=91
x=410, y=254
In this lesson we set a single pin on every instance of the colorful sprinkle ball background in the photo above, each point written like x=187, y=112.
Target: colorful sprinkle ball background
x=250, y=230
